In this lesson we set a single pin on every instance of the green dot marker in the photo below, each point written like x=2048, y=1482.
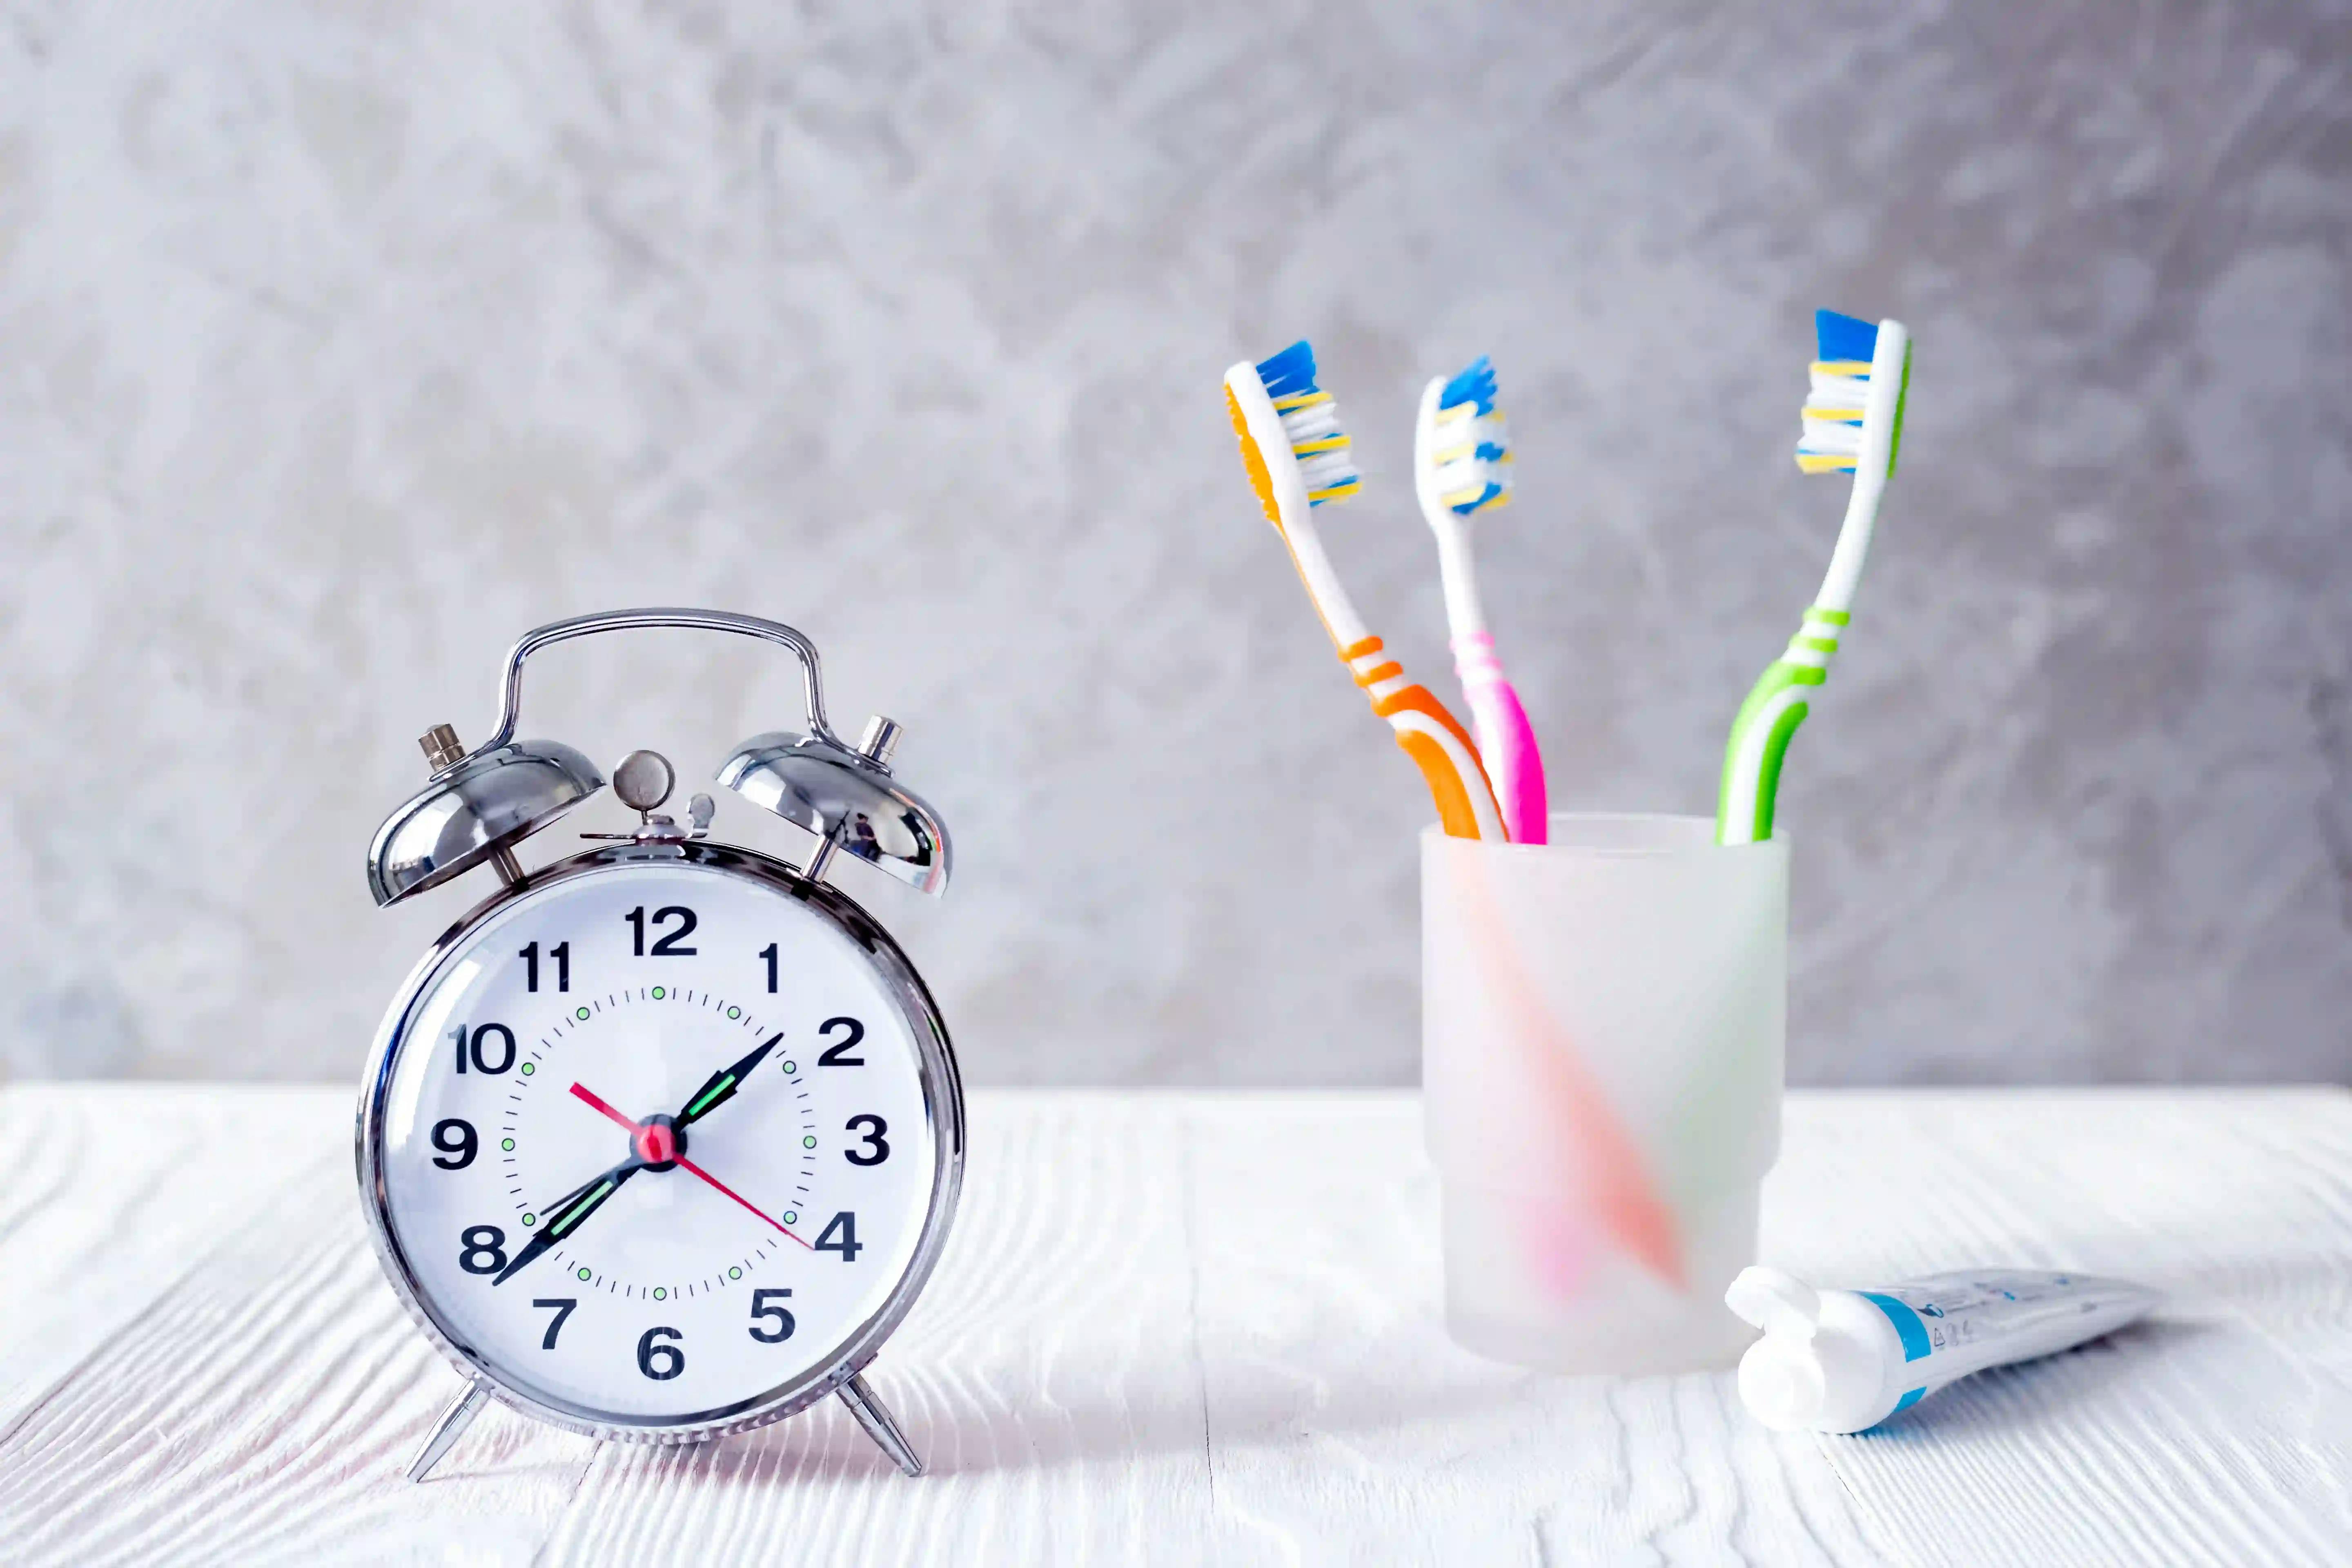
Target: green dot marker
x=581, y=1015
x=734, y=1274
x=660, y=1294
x=507, y=1144
x=792, y=1067
x=734, y=1012
x=528, y=1069
x=584, y=1273
x=658, y=994
x=809, y=1142
x=530, y=1219
x=791, y=1219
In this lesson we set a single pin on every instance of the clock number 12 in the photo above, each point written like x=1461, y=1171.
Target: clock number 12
x=669, y=946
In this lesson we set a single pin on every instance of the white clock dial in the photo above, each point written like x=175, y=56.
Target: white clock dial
x=657, y=1140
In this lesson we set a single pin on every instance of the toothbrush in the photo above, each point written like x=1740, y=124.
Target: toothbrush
x=1462, y=466
x=1296, y=459
x=1853, y=425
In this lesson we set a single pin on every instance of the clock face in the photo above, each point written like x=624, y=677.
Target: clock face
x=659, y=1142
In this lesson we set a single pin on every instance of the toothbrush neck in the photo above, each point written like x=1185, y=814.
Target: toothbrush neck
x=1844, y=575
x=1331, y=600
x=1464, y=615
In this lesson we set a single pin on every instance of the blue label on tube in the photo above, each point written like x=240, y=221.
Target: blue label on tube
x=1907, y=1326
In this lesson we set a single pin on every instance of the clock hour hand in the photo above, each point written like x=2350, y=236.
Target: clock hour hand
x=720, y=1087
x=564, y=1216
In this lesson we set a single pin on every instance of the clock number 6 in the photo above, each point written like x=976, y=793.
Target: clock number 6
x=877, y=1148
x=660, y=1361
x=782, y=1319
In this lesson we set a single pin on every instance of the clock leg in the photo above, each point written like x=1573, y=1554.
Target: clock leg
x=879, y=1426
x=448, y=1430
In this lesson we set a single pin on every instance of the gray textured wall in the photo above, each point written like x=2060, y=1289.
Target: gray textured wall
x=341, y=342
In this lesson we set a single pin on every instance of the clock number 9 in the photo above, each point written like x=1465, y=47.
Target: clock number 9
x=660, y=1361
x=456, y=1139
x=473, y=1049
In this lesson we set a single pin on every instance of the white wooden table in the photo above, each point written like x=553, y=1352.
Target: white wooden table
x=1200, y=1328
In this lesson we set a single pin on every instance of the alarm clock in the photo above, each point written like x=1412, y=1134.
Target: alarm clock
x=661, y=1140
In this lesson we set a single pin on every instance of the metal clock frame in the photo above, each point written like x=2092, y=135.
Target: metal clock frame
x=943, y=1108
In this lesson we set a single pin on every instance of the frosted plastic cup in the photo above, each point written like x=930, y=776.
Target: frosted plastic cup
x=1602, y=1030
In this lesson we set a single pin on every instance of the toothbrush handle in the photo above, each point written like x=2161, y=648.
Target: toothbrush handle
x=1768, y=721
x=1433, y=739
x=1506, y=741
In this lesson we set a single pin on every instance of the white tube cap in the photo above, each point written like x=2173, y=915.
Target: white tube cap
x=1802, y=1376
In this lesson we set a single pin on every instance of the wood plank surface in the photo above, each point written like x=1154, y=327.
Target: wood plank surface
x=1192, y=1328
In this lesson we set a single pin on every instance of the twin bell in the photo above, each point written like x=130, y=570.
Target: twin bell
x=481, y=803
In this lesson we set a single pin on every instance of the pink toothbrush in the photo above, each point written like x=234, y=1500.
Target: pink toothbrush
x=1462, y=464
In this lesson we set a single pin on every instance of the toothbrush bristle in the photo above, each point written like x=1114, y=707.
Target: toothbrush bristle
x=1845, y=337
x=1312, y=420
x=1831, y=441
x=1474, y=384
x=1471, y=449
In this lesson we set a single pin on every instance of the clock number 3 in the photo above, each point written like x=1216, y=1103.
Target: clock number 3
x=877, y=1148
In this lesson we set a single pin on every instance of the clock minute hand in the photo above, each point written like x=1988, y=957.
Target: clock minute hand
x=564, y=1216
x=720, y=1087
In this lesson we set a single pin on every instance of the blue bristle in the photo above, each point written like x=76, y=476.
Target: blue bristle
x=1489, y=452
x=1291, y=371
x=1842, y=337
x=1474, y=385
x=1489, y=493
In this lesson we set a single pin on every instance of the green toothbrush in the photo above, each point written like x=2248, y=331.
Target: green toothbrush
x=1853, y=425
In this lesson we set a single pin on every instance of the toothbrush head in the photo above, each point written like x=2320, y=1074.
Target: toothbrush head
x=1463, y=449
x=1852, y=417
x=1292, y=446
x=1312, y=441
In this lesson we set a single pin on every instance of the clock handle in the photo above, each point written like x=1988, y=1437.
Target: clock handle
x=530, y=642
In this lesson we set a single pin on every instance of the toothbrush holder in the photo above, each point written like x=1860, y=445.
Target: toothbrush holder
x=1603, y=1021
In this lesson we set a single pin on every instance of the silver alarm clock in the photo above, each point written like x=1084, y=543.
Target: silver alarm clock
x=660, y=1141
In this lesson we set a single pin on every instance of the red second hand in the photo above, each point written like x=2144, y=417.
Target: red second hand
x=685, y=1163
x=588, y=1095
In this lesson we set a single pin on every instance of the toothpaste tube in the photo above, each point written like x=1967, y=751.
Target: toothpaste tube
x=1840, y=1361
